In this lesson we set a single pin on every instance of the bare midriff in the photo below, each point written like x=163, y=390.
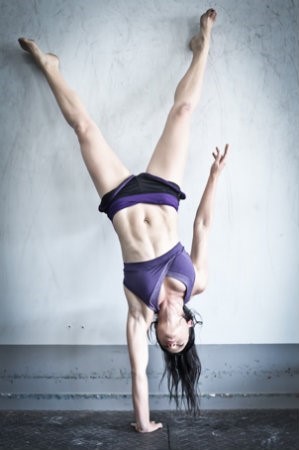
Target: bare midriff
x=146, y=231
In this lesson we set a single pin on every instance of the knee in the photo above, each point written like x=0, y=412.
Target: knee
x=83, y=127
x=181, y=110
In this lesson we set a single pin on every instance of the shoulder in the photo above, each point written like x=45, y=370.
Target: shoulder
x=200, y=282
x=137, y=309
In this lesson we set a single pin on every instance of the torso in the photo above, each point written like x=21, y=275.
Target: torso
x=145, y=232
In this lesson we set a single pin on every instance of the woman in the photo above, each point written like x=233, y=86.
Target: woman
x=159, y=276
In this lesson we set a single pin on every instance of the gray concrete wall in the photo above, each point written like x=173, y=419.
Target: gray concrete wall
x=98, y=377
x=61, y=271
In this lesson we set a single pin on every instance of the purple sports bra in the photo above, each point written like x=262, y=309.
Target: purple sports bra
x=145, y=278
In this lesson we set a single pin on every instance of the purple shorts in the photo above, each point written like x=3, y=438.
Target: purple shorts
x=142, y=188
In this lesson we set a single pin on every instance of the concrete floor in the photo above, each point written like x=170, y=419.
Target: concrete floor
x=237, y=429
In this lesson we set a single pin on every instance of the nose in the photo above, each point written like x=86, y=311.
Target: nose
x=171, y=344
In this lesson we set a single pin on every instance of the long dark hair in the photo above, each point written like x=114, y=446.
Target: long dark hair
x=183, y=369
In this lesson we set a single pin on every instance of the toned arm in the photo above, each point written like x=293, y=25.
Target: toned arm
x=138, y=351
x=203, y=221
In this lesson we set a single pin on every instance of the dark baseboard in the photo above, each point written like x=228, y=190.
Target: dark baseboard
x=98, y=377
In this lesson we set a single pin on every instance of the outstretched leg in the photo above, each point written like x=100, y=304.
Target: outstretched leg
x=105, y=168
x=169, y=157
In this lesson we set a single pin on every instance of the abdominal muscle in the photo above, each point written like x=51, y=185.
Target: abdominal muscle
x=146, y=231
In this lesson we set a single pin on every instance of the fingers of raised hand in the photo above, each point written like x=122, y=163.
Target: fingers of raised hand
x=216, y=154
x=225, y=151
x=223, y=157
x=220, y=158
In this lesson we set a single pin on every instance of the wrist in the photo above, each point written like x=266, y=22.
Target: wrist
x=214, y=176
x=143, y=426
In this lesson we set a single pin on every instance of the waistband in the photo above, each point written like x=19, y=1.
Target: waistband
x=162, y=259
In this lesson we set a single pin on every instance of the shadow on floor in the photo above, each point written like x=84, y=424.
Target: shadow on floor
x=213, y=430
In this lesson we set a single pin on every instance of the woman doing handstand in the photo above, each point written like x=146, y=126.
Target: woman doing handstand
x=159, y=275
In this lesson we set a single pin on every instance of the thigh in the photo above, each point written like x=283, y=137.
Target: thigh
x=169, y=157
x=104, y=167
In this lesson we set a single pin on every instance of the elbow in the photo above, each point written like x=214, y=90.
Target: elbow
x=202, y=225
x=139, y=376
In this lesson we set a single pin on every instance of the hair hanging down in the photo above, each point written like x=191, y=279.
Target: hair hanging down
x=183, y=370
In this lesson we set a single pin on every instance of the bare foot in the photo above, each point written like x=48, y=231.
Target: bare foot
x=206, y=23
x=43, y=60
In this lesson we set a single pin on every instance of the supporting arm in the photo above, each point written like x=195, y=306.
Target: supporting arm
x=138, y=352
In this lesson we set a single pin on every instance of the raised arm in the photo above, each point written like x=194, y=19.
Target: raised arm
x=203, y=221
x=138, y=351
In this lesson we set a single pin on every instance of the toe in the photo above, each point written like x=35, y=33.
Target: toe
x=25, y=43
x=211, y=12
